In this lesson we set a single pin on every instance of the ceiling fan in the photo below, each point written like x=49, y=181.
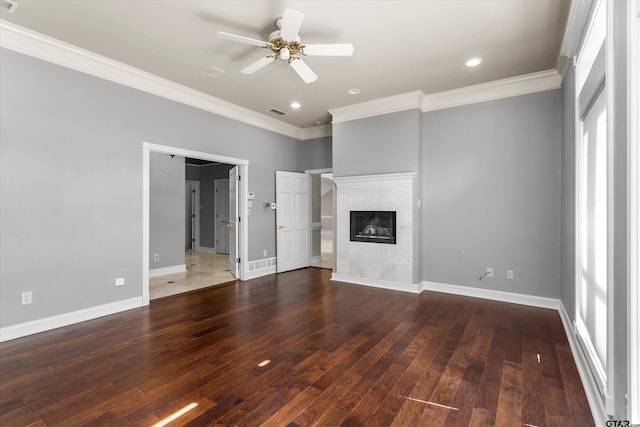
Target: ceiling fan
x=285, y=45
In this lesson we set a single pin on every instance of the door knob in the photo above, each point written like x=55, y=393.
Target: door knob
x=280, y=227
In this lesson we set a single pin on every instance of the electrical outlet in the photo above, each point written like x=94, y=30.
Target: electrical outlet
x=489, y=271
x=510, y=274
x=120, y=281
x=156, y=257
x=264, y=253
x=27, y=297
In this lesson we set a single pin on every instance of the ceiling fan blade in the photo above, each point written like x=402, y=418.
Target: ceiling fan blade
x=291, y=22
x=304, y=71
x=242, y=39
x=337, y=49
x=262, y=62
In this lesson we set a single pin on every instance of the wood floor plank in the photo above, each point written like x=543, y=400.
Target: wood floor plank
x=333, y=353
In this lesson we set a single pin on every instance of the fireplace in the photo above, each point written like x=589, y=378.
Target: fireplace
x=373, y=226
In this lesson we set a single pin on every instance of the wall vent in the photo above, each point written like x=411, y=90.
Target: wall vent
x=8, y=5
x=276, y=111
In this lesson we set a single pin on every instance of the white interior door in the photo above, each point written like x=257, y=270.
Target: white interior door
x=234, y=219
x=222, y=215
x=293, y=220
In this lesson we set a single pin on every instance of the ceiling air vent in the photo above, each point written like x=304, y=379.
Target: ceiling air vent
x=276, y=111
x=211, y=71
x=9, y=5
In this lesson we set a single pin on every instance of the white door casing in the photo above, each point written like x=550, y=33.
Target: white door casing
x=293, y=220
x=243, y=166
x=234, y=221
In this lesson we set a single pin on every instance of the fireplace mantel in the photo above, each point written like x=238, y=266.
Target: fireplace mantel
x=388, y=266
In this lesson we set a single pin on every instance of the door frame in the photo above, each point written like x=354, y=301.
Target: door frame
x=243, y=191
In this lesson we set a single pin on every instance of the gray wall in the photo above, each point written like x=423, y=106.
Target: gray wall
x=84, y=217
x=388, y=143
x=492, y=194
x=316, y=153
x=166, y=210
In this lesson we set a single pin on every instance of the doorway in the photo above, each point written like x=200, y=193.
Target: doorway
x=242, y=191
x=323, y=213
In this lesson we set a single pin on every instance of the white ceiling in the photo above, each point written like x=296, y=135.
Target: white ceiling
x=399, y=46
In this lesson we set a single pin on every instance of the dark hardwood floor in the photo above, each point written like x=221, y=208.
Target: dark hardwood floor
x=339, y=354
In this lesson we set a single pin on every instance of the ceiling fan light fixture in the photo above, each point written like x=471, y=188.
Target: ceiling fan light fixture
x=285, y=53
x=473, y=62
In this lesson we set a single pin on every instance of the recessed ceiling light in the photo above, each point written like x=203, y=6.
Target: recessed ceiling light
x=473, y=62
x=295, y=105
x=353, y=91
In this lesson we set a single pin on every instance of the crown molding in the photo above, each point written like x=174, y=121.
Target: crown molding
x=314, y=132
x=505, y=88
x=576, y=24
x=28, y=42
x=376, y=107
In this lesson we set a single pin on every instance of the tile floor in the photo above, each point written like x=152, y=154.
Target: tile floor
x=326, y=250
x=203, y=270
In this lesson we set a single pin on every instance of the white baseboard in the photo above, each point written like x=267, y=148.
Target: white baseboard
x=66, y=319
x=261, y=272
x=168, y=270
x=316, y=259
x=588, y=381
x=207, y=250
x=514, y=298
x=384, y=284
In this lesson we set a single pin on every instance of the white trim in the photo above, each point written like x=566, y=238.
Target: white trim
x=610, y=78
x=376, y=107
x=414, y=288
x=505, y=88
x=576, y=24
x=243, y=166
x=633, y=216
x=28, y=42
x=314, y=132
x=53, y=322
x=510, y=297
x=588, y=381
x=389, y=180
x=25, y=41
x=513, y=86
x=316, y=259
x=181, y=268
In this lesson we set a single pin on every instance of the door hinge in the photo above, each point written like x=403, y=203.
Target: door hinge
x=193, y=191
x=238, y=260
x=238, y=219
x=239, y=177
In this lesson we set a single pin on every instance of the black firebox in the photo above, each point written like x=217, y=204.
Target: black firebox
x=373, y=226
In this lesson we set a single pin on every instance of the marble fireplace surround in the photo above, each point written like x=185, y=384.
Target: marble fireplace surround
x=374, y=264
